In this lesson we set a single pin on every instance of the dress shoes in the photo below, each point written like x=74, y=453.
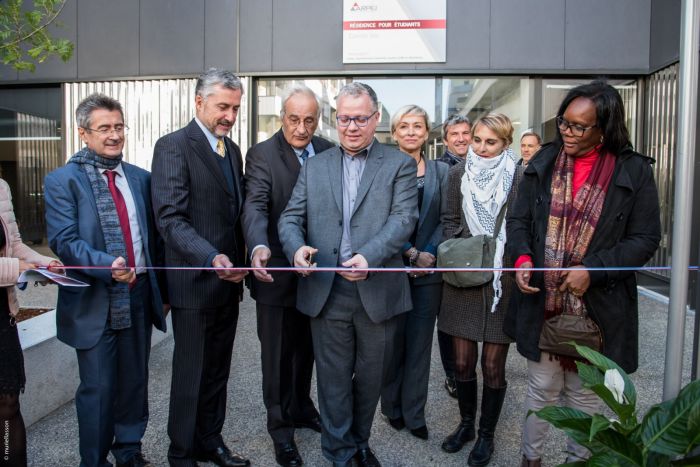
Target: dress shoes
x=313, y=423
x=287, y=455
x=137, y=460
x=224, y=457
x=366, y=458
x=397, y=423
x=420, y=432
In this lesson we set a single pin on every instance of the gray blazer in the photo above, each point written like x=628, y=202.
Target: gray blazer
x=384, y=217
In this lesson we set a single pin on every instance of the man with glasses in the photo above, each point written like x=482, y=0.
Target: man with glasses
x=98, y=213
x=272, y=168
x=352, y=208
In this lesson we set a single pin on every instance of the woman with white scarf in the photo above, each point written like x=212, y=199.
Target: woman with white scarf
x=478, y=189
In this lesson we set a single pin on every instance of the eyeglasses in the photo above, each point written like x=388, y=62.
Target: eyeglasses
x=361, y=121
x=117, y=129
x=295, y=121
x=576, y=129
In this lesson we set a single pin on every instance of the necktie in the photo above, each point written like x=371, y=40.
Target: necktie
x=304, y=155
x=220, y=148
x=123, y=215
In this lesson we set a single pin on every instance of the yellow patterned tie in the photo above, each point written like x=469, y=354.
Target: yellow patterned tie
x=220, y=148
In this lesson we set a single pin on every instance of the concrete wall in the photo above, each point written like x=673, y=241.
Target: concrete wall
x=665, y=33
x=148, y=38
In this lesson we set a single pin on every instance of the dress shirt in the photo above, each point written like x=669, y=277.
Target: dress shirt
x=123, y=186
x=353, y=168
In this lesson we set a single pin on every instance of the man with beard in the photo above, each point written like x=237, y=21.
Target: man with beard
x=197, y=184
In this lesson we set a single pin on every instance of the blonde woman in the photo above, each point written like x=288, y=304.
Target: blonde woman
x=478, y=189
x=405, y=388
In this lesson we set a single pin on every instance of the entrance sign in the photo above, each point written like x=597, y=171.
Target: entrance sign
x=394, y=31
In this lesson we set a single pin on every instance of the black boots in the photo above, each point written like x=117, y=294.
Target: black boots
x=491, y=404
x=466, y=395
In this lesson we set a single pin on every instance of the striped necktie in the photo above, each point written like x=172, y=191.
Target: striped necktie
x=304, y=155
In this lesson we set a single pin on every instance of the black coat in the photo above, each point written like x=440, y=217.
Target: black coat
x=627, y=235
x=271, y=171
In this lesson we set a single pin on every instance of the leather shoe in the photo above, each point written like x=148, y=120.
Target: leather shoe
x=366, y=458
x=137, y=460
x=420, y=432
x=224, y=457
x=287, y=455
x=313, y=423
x=397, y=423
x=451, y=386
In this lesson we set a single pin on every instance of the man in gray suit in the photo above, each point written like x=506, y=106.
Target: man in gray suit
x=353, y=207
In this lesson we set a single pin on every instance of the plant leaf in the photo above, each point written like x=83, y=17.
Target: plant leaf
x=694, y=424
x=598, y=423
x=603, y=363
x=589, y=374
x=666, y=430
x=692, y=461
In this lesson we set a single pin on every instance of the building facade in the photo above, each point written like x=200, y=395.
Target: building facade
x=513, y=56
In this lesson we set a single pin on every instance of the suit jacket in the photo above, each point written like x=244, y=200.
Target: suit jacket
x=75, y=235
x=271, y=170
x=197, y=215
x=382, y=220
x=429, y=228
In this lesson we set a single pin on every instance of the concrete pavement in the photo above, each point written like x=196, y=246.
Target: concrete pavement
x=53, y=441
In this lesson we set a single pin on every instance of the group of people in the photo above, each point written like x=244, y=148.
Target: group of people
x=338, y=215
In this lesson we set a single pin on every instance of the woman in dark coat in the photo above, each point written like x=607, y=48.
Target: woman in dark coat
x=478, y=189
x=405, y=388
x=586, y=201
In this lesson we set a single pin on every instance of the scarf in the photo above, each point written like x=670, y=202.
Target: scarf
x=93, y=164
x=486, y=184
x=570, y=228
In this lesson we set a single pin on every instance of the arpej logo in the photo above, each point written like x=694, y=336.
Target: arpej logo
x=357, y=7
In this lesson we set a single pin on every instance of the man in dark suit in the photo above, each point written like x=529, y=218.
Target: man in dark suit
x=98, y=213
x=198, y=193
x=272, y=168
x=352, y=207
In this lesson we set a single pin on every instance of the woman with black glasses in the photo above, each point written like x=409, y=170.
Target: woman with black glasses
x=586, y=201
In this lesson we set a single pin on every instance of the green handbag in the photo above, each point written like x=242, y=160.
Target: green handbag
x=472, y=252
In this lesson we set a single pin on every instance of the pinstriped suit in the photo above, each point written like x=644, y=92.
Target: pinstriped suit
x=197, y=213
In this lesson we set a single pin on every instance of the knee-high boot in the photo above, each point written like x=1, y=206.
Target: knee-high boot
x=466, y=396
x=491, y=404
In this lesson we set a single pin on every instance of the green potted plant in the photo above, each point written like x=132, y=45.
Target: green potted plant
x=667, y=435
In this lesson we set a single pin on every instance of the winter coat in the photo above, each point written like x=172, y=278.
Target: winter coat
x=627, y=235
x=14, y=249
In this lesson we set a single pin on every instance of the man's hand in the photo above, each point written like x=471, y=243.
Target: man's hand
x=222, y=261
x=522, y=279
x=357, y=261
x=261, y=256
x=122, y=273
x=304, y=258
x=576, y=280
x=166, y=310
